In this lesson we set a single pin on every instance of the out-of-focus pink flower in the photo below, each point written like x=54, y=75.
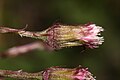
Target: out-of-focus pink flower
x=56, y=73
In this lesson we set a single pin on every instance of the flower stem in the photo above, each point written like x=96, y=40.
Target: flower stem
x=22, y=32
x=20, y=75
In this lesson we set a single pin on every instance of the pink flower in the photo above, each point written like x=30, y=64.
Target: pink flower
x=59, y=36
x=57, y=73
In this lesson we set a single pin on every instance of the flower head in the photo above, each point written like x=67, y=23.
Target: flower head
x=67, y=36
x=56, y=73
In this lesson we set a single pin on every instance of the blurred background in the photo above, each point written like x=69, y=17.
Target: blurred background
x=103, y=62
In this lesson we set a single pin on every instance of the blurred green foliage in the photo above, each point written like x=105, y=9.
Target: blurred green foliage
x=40, y=14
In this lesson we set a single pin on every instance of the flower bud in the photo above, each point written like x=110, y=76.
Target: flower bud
x=55, y=73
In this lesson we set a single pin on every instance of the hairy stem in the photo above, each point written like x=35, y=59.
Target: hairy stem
x=22, y=32
x=20, y=75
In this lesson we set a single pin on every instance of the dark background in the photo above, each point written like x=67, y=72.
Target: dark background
x=103, y=62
